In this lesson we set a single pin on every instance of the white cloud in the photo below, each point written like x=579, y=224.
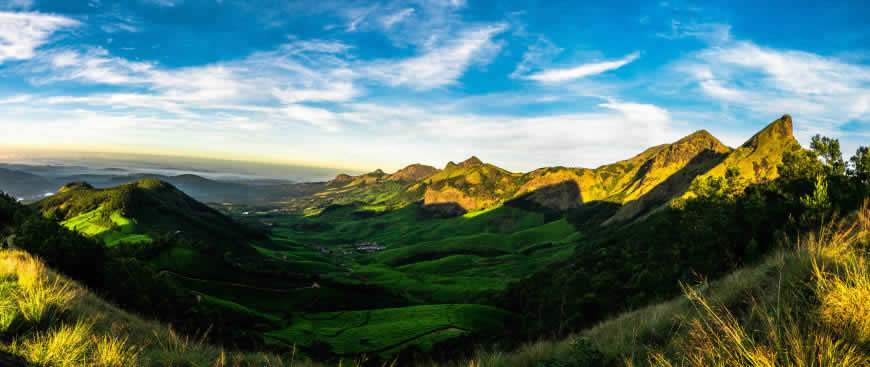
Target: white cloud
x=714, y=33
x=166, y=3
x=117, y=23
x=581, y=71
x=315, y=116
x=823, y=91
x=22, y=33
x=441, y=64
x=615, y=131
x=23, y=98
x=95, y=66
x=390, y=20
x=16, y=5
x=539, y=53
x=335, y=92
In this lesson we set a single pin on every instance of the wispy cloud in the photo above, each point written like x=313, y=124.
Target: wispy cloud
x=389, y=20
x=16, y=5
x=581, y=71
x=539, y=53
x=316, y=116
x=167, y=3
x=23, y=98
x=22, y=33
x=440, y=64
x=714, y=33
x=825, y=92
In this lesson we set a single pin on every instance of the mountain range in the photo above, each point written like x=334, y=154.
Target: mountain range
x=639, y=184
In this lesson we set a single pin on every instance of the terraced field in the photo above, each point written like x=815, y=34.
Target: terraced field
x=386, y=330
x=117, y=229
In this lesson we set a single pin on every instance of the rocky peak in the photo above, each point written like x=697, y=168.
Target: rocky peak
x=688, y=148
x=377, y=172
x=470, y=162
x=779, y=130
x=413, y=172
x=341, y=179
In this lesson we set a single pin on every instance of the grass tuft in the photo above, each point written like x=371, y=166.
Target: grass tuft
x=66, y=345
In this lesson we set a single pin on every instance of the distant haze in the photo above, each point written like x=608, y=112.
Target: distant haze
x=121, y=164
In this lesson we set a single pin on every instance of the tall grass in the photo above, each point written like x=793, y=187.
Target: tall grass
x=819, y=316
x=807, y=304
x=50, y=320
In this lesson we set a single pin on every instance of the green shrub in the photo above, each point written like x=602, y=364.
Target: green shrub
x=583, y=354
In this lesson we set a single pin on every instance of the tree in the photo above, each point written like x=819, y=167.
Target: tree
x=860, y=169
x=800, y=164
x=828, y=150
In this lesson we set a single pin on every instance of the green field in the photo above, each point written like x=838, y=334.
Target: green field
x=113, y=230
x=307, y=284
x=385, y=330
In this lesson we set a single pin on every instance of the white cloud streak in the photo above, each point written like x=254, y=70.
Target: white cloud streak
x=390, y=20
x=443, y=64
x=581, y=71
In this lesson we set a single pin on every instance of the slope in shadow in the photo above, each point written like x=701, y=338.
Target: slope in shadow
x=674, y=186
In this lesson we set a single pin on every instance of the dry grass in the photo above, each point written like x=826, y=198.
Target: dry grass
x=820, y=316
x=53, y=321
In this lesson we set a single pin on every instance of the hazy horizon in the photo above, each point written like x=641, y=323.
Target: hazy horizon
x=173, y=165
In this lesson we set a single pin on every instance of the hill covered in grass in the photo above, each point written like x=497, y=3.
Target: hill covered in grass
x=137, y=212
x=47, y=319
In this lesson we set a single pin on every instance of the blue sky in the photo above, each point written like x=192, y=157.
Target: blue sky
x=367, y=84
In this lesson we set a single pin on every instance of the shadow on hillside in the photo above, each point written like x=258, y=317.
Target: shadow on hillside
x=565, y=198
x=446, y=210
x=674, y=186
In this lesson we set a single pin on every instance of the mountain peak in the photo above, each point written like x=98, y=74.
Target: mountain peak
x=72, y=186
x=377, y=172
x=699, y=135
x=151, y=184
x=470, y=162
x=340, y=178
x=700, y=140
x=781, y=129
x=413, y=172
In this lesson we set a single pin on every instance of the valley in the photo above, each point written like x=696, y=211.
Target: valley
x=427, y=262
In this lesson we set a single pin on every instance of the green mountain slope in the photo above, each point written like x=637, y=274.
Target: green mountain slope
x=136, y=211
x=468, y=186
x=758, y=157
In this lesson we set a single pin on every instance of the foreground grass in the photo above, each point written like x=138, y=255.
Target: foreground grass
x=48, y=320
x=806, y=305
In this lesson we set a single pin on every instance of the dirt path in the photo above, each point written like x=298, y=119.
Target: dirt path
x=239, y=285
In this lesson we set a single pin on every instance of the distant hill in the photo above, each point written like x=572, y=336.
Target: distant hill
x=24, y=185
x=411, y=173
x=132, y=212
x=469, y=185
